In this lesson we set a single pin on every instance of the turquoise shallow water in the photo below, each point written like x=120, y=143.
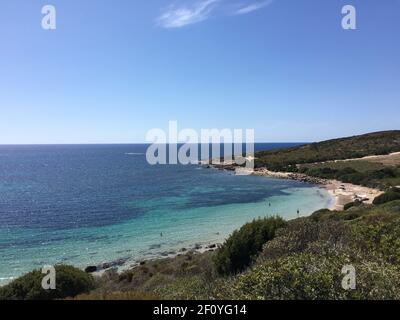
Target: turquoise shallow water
x=84, y=205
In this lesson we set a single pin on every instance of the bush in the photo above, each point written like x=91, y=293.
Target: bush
x=309, y=276
x=245, y=244
x=379, y=238
x=349, y=205
x=347, y=170
x=383, y=173
x=300, y=277
x=301, y=235
x=388, y=196
x=70, y=282
x=325, y=173
x=129, y=295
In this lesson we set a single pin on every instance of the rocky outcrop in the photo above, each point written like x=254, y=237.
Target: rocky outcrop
x=90, y=269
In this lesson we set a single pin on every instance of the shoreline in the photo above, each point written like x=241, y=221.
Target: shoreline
x=122, y=265
x=209, y=246
x=342, y=193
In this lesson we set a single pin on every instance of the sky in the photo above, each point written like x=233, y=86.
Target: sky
x=114, y=69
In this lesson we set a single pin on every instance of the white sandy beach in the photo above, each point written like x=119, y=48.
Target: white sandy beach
x=342, y=193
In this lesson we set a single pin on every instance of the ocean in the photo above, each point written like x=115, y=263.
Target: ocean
x=89, y=204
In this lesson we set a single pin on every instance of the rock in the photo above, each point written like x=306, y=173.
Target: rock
x=212, y=246
x=90, y=269
x=142, y=263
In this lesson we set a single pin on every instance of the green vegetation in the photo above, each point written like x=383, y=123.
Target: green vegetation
x=187, y=276
x=70, y=282
x=305, y=260
x=378, y=143
x=361, y=166
x=382, y=178
x=349, y=205
x=307, y=276
x=322, y=160
x=298, y=259
x=390, y=195
x=244, y=244
x=130, y=295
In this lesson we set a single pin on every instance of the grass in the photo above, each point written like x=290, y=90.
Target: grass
x=358, y=165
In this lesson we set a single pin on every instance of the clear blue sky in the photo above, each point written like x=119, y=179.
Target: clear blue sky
x=114, y=69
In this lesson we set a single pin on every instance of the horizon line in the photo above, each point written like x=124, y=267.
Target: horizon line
x=131, y=143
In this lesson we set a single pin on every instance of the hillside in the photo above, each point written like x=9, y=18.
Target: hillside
x=377, y=143
x=351, y=160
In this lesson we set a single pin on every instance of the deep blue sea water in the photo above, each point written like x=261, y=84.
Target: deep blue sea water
x=88, y=204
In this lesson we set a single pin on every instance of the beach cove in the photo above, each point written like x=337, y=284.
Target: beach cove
x=105, y=206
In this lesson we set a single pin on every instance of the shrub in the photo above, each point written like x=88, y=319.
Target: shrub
x=383, y=173
x=70, y=282
x=309, y=276
x=304, y=260
x=347, y=170
x=349, y=205
x=379, y=238
x=301, y=234
x=326, y=173
x=387, y=197
x=299, y=276
x=128, y=295
x=244, y=245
